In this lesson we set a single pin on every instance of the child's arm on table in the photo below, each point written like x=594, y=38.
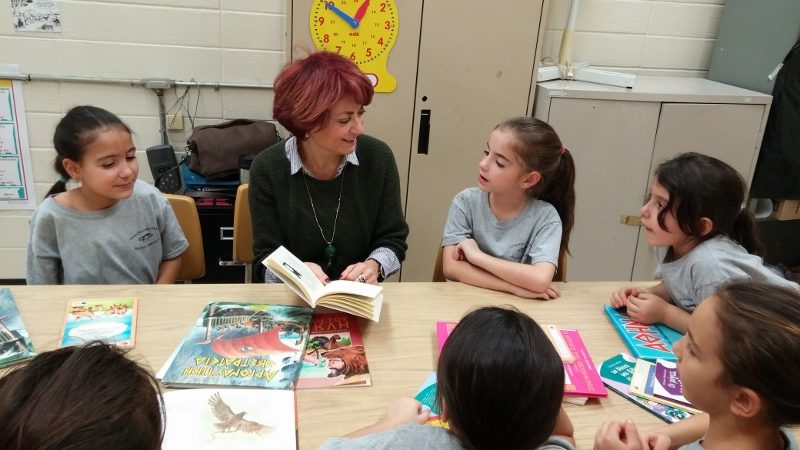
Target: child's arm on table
x=564, y=427
x=650, y=308
x=684, y=432
x=532, y=277
x=168, y=270
x=456, y=269
x=400, y=412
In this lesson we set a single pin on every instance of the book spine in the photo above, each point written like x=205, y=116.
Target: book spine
x=614, y=318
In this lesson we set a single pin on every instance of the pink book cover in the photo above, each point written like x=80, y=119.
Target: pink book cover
x=443, y=330
x=580, y=377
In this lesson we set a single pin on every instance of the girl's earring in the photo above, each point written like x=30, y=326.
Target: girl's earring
x=305, y=136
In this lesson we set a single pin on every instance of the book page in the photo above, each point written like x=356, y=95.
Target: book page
x=349, y=287
x=294, y=273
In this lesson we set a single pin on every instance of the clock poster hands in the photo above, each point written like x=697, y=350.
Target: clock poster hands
x=361, y=11
x=351, y=21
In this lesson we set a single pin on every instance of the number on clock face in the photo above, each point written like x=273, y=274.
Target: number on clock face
x=361, y=30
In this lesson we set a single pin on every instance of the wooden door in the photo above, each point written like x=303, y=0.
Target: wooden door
x=612, y=143
x=729, y=132
x=476, y=68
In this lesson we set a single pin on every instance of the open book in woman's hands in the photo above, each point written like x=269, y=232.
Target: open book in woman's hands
x=359, y=299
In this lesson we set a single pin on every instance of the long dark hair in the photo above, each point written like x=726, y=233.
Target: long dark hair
x=540, y=149
x=90, y=397
x=703, y=186
x=500, y=381
x=760, y=345
x=78, y=128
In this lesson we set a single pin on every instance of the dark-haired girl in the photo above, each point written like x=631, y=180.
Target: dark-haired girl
x=500, y=386
x=695, y=212
x=112, y=228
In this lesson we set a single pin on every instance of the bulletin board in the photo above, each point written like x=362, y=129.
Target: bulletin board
x=16, y=176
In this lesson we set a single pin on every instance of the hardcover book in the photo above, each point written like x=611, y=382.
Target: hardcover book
x=242, y=419
x=617, y=372
x=112, y=321
x=648, y=342
x=15, y=344
x=443, y=330
x=241, y=344
x=359, y=299
x=334, y=354
x=427, y=397
x=643, y=384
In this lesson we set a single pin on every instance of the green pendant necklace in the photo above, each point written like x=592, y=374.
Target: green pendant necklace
x=330, y=250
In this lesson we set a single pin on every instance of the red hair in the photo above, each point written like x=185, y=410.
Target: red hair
x=306, y=89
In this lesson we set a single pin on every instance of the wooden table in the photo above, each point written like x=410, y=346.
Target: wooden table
x=401, y=348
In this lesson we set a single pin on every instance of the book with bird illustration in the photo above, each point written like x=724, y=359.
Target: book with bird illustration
x=334, y=354
x=241, y=344
x=242, y=419
x=15, y=344
x=360, y=299
x=112, y=321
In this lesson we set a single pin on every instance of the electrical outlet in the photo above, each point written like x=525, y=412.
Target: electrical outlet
x=175, y=122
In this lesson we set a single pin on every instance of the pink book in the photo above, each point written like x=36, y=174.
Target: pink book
x=580, y=375
x=443, y=330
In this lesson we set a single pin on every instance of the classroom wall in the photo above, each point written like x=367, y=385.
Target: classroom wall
x=641, y=37
x=244, y=41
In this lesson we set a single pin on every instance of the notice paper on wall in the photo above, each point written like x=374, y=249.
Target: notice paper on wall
x=16, y=174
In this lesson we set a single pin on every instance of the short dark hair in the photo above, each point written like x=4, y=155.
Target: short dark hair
x=307, y=88
x=760, y=345
x=703, y=186
x=90, y=397
x=500, y=380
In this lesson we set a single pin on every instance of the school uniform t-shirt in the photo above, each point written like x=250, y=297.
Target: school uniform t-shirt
x=418, y=437
x=788, y=438
x=533, y=236
x=697, y=274
x=123, y=244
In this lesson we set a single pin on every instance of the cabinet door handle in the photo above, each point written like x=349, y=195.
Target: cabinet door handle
x=225, y=233
x=634, y=221
x=424, y=131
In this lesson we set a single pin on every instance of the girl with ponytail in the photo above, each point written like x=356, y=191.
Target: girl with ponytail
x=507, y=233
x=695, y=213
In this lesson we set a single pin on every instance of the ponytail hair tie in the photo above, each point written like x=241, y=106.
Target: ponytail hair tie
x=563, y=150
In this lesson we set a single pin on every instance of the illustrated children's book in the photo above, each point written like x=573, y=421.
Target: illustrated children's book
x=443, y=330
x=15, y=344
x=643, y=385
x=667, y=384
x=359, y=299
x=427, y=397
x=241, y=344
x=112, y=321
x=334, y=354
x=617, y=372
x=242, y=419
x=648, y=342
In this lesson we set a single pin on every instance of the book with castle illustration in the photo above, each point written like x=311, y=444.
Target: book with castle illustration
x=242, y=419
x=112, y=321
x=648, y=342
x=334, y=355
x=15, y=344
x=241, y=344
x=359, y=299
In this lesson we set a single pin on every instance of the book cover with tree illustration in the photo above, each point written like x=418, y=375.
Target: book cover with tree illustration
x=334, y=355
x=241, y=344
x=241, y=419
x=112, y=321
x=15, y=344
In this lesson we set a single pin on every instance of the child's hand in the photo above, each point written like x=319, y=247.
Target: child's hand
x=551, y=293
x=469, y=248
x=403, y=411
x=647, y=308
x=624, y=436
x=619, y=298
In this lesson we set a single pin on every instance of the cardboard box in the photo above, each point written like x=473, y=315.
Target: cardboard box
x=786, y=209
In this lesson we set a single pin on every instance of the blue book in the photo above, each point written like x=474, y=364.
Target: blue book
x=648, y=342
x=15, y=344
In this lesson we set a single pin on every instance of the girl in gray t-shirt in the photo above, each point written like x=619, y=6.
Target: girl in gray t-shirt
x=695, y=213
x=112, y=229
x=508, y=233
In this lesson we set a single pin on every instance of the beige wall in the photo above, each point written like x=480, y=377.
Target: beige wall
x=642, y=37
x=244, y=41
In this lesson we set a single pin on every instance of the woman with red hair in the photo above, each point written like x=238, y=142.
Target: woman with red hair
x=329, y=193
